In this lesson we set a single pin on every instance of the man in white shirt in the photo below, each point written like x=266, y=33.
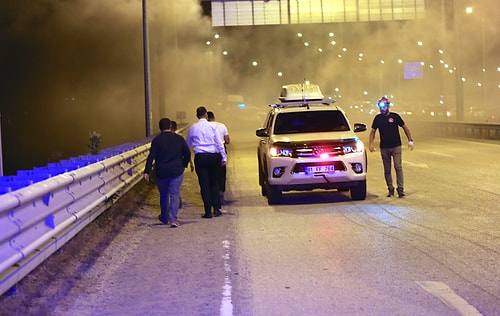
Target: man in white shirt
x=224, y=134
x=209, y=156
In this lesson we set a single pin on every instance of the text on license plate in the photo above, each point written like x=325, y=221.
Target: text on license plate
x=315, y=169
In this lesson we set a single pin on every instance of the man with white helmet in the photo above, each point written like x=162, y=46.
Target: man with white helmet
x=388, y=124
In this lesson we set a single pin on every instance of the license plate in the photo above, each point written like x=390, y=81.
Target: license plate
x=316, y=169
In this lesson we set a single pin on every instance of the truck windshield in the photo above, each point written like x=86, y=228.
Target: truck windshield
x=310, y=122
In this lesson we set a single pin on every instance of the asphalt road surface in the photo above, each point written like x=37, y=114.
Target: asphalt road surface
x=434, y=252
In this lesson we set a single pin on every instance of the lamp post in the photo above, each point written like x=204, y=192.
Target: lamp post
x=250, y=83
x=459, y=84
x=1, y=153
x=147, y=87
x=470, y=10
x=482, y=84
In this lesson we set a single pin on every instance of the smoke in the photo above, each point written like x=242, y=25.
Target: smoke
x=70, y=67
x=368, y=60
x=73, y=67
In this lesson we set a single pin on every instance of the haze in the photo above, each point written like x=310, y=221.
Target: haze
x=73, y=67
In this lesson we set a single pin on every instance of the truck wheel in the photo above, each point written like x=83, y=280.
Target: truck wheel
x=358, y=192
x=274, y=195
x=263, y=190
x=262, y=182
x=262, y=177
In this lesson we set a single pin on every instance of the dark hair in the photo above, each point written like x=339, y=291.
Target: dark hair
x=211, y=115
x=201, y=111
x=173, y=126
x=164, y=124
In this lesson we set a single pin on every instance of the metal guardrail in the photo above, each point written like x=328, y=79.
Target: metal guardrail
x=489, y=131
x=38, y=219
x=469, y=130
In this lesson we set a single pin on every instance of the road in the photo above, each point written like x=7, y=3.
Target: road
x=434, y=252
x=322, y=254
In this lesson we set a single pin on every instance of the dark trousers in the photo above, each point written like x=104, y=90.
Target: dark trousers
x=395, y=154
x=222, y=179
x=207, y=168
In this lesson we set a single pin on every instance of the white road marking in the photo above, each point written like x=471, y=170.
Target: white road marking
x=415, y=164
x=440, y=154
x=450, y=298
x=226, y=306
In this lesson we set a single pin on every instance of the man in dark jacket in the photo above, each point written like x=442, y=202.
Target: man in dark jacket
x=171, y=156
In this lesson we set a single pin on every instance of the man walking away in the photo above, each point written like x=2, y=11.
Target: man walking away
x=171, y=156
x=209, y=156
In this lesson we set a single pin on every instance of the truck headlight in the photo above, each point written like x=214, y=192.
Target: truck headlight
x=356, y=146
x=276, y=151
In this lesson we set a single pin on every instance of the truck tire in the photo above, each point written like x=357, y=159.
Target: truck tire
x=274, y=195
x=358, y=192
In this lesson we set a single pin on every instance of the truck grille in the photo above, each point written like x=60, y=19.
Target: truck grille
x=316, y=149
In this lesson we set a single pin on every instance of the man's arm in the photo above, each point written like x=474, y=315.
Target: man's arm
x=186, y=153
x=407, y=132
x=408, y=135
x=219, y=143
x=149, y=163
x=225, y=134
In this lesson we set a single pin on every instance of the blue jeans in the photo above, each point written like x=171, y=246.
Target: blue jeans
x=389, y=155
x=170, y=189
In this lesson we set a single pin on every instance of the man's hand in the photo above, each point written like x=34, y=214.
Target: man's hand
x=191, y=165
x=371, y=148
x=146, y=177
x=223, y=163
x=410, y=144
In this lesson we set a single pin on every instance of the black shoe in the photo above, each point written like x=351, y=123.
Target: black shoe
x=206, y=216
x=217, y=213
x=401, y=194
x=163, y=220
x=391, y=193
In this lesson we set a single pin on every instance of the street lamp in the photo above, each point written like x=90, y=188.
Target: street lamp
x=482, y=85
x=147, y=88
x=459, y=84
x=250, y=85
